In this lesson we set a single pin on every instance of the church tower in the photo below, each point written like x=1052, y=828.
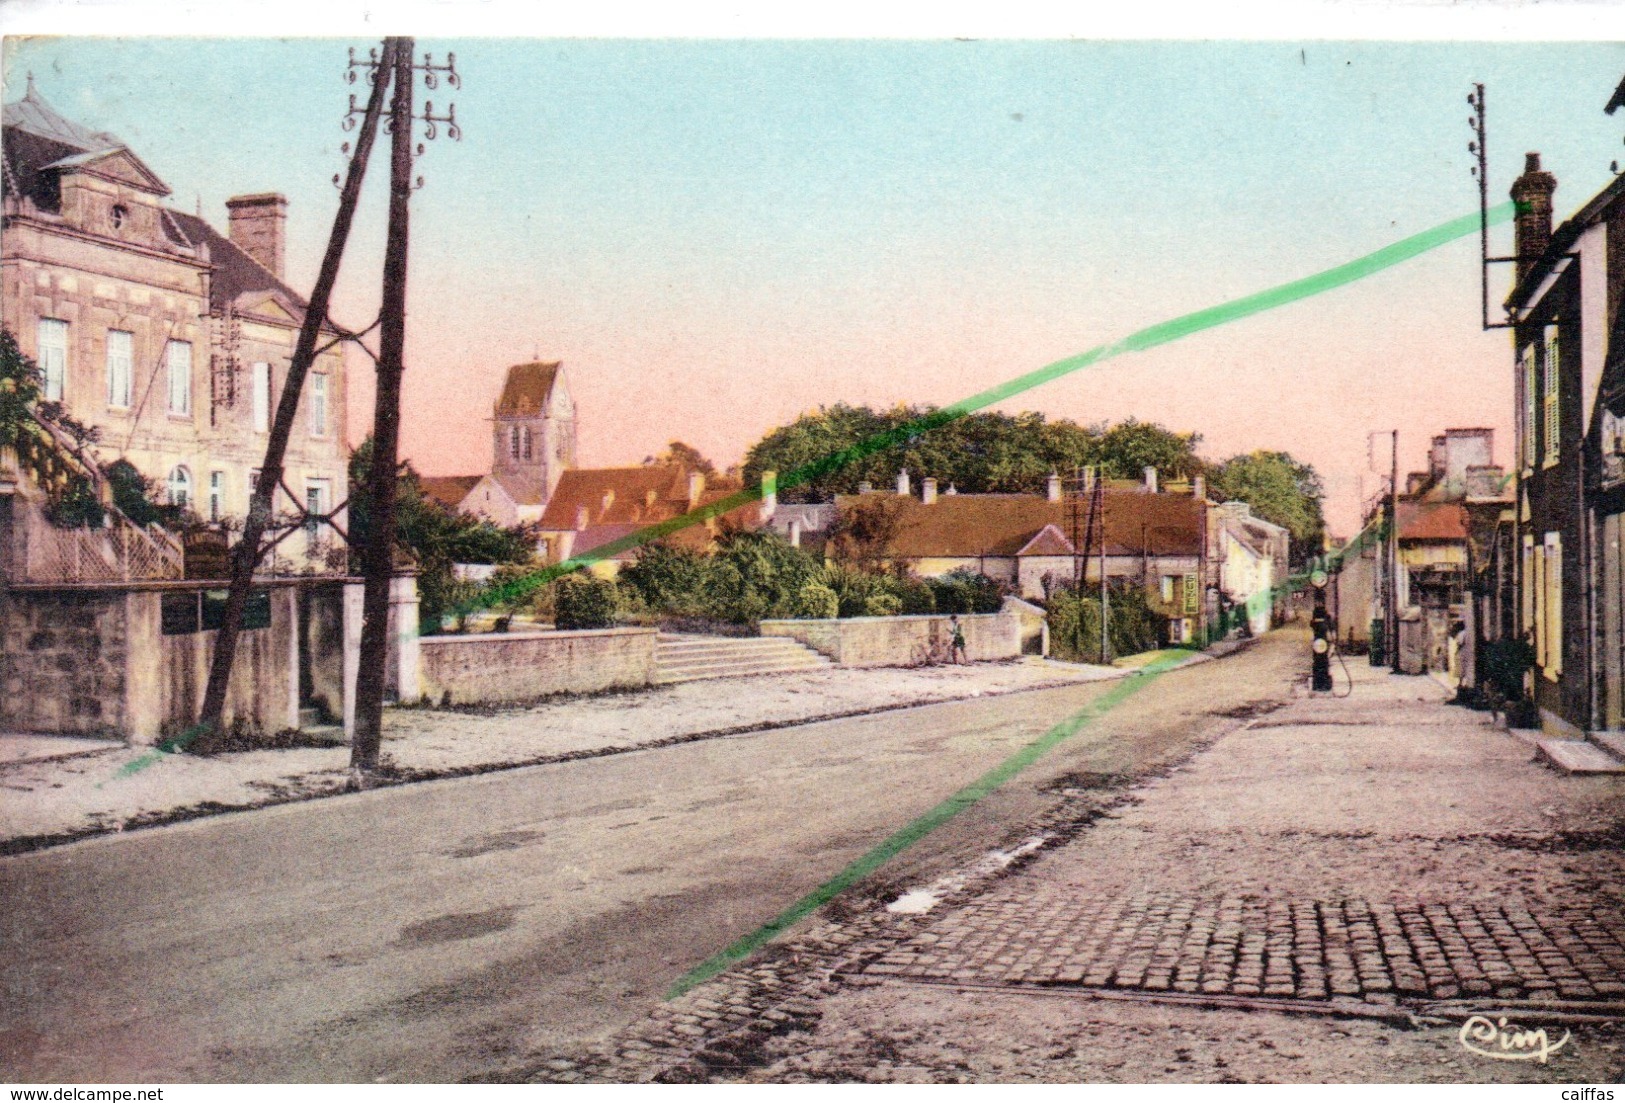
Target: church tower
x=533, y=435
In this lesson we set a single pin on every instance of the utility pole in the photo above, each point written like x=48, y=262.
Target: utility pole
x=378, y=554
x=1105, y=598
x=1393, y=554
x=246, y=555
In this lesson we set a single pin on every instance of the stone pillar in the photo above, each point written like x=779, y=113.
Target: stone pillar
x=351, y=621
x=402, y=679
x=292, y=593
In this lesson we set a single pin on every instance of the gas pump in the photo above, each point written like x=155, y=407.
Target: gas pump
x=1320, y=628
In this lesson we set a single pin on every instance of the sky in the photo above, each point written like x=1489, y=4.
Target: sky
x=715, y=236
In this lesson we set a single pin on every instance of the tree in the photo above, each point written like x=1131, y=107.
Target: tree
x=434, y=535
x=686, y=456
x=1129, y=447
x=1280, y=490
x=836, y=448
x=863, y=535
x=26, y=423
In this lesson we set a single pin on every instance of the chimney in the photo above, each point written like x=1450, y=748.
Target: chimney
x=770, y=494
x=951, y=491
x=795, y=532
x=581, y=518
x=696, y=487
x=902, y=483
x=1052, y=489
x=866, y=487
x=928, y=492
x=1151, y=479
x=609, y=500
x=1532, y=192
x=1088, y=481
x=257, y=227
x=1198, y=487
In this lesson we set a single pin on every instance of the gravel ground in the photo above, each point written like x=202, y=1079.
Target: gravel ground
x=46, y=802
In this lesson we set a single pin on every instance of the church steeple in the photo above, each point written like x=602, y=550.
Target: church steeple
x=533, y=432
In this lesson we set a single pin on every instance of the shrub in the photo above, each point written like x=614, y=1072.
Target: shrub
x=915, y=597
x=582, y=601
x=817, y=601
x=882, y=605
x=1074, y=624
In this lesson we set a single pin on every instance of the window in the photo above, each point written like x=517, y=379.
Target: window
x=217, y=494
x=119, y=360
x=262, y=397
x=1553, y=420
x=180, y=486
x=120, y=212
x=318, y=405
x=53, y=356
x=1168, y=583
x=524, y=440
x=179, y=357
x=513, y=442
x=316, y=499
x=1526, y=405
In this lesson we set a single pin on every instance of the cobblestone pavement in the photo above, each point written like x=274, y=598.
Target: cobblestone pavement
x=1252, y=946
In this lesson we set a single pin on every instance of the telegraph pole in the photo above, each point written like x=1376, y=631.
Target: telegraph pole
x=246, y=555
x=1393, y=554
x=378, y=555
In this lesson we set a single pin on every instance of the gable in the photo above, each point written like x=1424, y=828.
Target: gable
x=118, y=165
x=269, y=306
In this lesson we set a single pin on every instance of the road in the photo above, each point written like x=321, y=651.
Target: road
x=444, y=930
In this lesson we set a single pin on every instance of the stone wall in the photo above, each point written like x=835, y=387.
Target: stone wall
x=903, y=641
x=509, y=667
x=62, y=661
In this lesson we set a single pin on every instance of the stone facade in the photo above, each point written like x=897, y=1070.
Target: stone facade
x=172, y=340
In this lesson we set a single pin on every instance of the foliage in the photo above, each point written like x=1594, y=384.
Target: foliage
x=864, y=533
x=1074, y=624
x=882, y=604
x=25, y=428
x=963, y=590
x=1129, y=447
x=1280, y=490
x=816, y=601
x=686, y=456
x=750, y=576
x=669, y=579
x=915, y=596
x=837, y=447
x=584, y=601
x=435, y=536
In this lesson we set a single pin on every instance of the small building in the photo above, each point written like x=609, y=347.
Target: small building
x=533, y=443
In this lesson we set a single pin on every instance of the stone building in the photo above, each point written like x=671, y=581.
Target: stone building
x=171, y=339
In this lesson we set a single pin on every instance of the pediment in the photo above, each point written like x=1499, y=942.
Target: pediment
x=119, y=165
x=268, y=305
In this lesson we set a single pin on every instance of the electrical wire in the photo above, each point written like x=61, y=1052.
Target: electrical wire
x=1347, y=677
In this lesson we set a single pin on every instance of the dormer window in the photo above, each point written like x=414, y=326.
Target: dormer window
x=120, y=213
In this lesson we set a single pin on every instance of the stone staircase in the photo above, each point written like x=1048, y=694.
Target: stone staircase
x=688, y=658
x=1597, y=753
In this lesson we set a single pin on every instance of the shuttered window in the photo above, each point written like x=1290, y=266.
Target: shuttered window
x=1553, y=415
x=1526, y=406
x=53, y=356
x=1554, y=604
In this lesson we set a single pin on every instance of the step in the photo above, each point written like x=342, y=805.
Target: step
x=1576, y=756
x=743, y=665
x=710, y=653
x=667, y=675
x=1612, y=742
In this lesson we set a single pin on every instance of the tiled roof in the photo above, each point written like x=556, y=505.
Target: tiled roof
x=1049, y=541
x=448, y=490
x=622, y=500
x=970, y=525
x=527, y=389
x=39, y=139
x=236, y=274
x=1432, y=521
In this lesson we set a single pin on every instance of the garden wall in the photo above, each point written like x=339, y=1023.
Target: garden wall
x=508, y=667
x=904, y=641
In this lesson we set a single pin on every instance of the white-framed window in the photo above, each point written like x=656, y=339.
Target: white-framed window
x=318, y=495
x=262, y=397
x=1553, y=427
x=1526, y=405
x=318, y=404
x=120, y=361
x=180, y=486
x=217, y=494
x=1169, y=582
x=178, y=355
x=53, y=356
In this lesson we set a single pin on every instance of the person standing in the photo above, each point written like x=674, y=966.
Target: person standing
x=957, y=645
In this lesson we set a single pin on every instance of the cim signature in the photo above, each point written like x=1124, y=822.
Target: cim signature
x=1495, y=1039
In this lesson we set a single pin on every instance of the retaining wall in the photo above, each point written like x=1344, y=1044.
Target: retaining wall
x=904, y=641
x=507, y=667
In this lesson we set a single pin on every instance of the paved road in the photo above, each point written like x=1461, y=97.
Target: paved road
x=444, y=930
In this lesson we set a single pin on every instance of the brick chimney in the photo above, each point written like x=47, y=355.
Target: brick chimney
x=1052, y=489
x=770, y=494
x=258, y=228
x=928, y=492
x=696, y=487
x=902, y=482
x=1532, y=192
